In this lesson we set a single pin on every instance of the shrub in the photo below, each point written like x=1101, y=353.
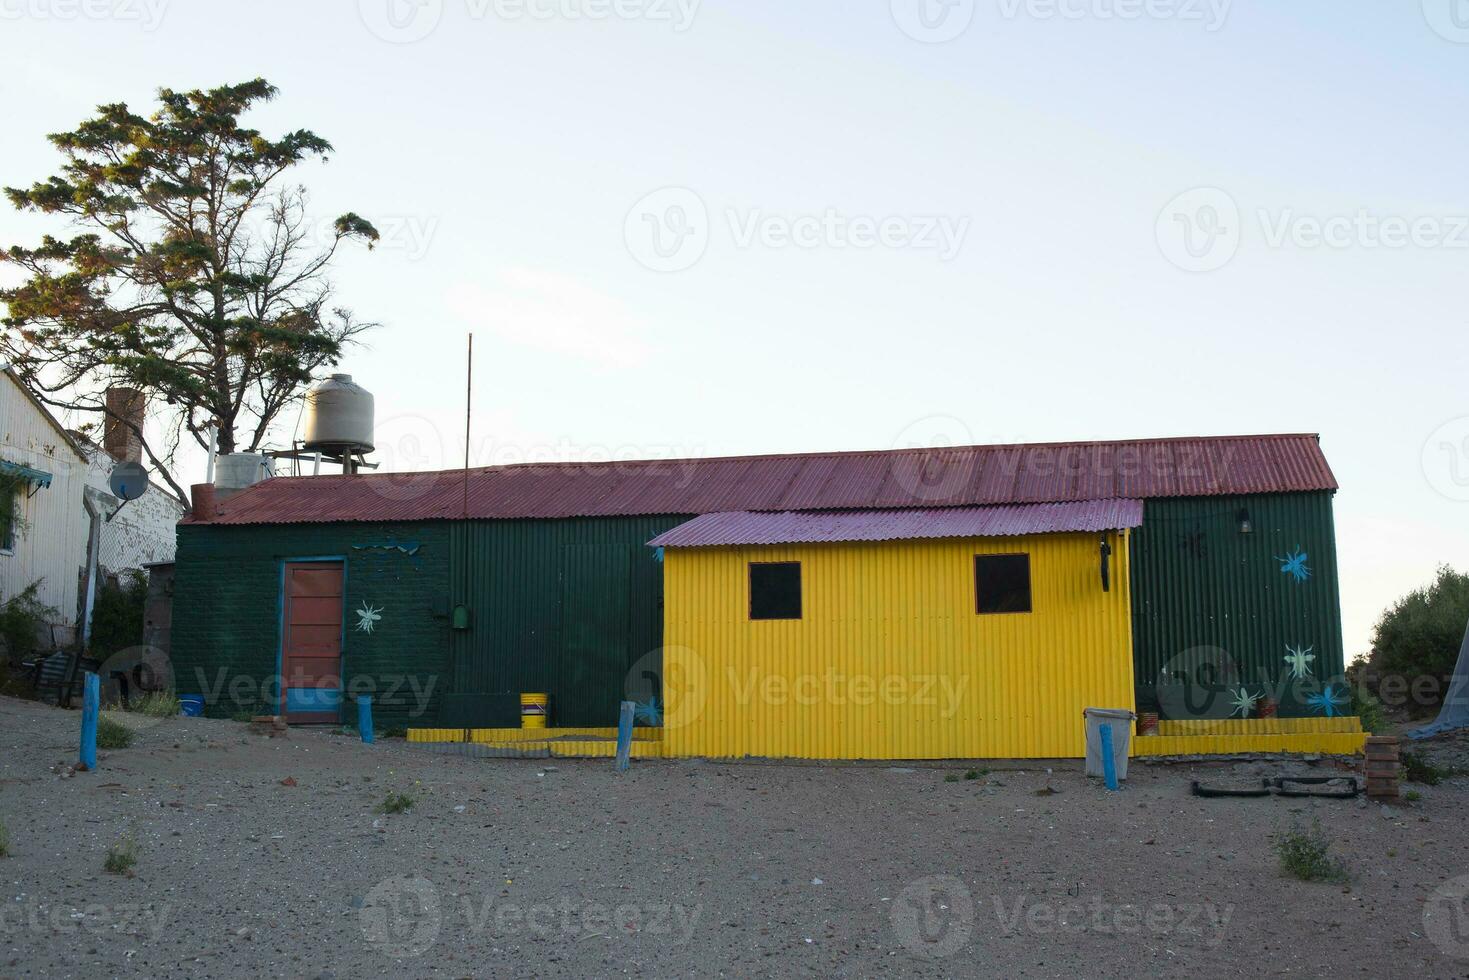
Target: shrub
x=156, y=704
x=952, y=777
x=117, y=615
x=1422, y=632
x=4, y=840
x=1368, y=709
x=113, y=734
x=1419, y=770
x=122, y=857
x=22, y=617
x=1411, y=796
x=1303, y=854
x=976, y=773
x=395, y=803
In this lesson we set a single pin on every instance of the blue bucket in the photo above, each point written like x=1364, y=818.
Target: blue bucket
x=191, y=705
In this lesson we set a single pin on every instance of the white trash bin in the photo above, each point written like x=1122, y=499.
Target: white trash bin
x=1121, y=721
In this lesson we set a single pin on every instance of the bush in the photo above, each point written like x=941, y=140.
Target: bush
x=1303, y=854
x=112, y=734
x=122, y=857
x=1422, y=633
x=22, y=618
x=155, y=704
x=1417, y=769
x=4, y=840
x=396, y=803
x=1368, y=709
x=117, y=615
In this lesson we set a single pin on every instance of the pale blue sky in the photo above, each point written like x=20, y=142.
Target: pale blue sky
x=502, y=154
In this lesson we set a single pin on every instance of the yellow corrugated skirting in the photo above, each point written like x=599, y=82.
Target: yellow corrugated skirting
x=541, y=734
x=890, y=659
x=1260, y=726
x=593, y=743
x=1310, y=743
x=436, y=734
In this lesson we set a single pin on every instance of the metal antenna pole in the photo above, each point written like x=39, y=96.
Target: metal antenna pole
x=468, y=409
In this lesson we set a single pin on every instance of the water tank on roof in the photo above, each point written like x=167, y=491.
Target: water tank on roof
x=338, y=416
x=234, y=472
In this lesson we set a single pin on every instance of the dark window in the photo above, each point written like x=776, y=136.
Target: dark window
x=7, y=518
x=1002, y=583
x=775, y=590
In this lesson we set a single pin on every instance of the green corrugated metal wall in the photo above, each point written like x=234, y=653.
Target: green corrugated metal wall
x=227, y=614
x=563, y=607
x=1198, y=582
x=567, y=607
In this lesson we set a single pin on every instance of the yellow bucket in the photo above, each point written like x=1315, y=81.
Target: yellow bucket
x=533, y=710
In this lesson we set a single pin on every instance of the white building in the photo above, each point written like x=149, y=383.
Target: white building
x=44, y=522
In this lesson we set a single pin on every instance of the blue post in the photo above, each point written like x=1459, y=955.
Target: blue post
x=624, y=735
x=1109, y=764
x=364, y=717
x=91, y=705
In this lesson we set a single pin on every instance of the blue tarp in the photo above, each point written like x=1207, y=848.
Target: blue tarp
x=1455, y=711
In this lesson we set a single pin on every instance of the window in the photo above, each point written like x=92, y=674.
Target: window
x=7, y=516
x=775, y=590
x=1002, y=583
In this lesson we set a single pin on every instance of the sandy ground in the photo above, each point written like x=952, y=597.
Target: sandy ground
x=530, y=868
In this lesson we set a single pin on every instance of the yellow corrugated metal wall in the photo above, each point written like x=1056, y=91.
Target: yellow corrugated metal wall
x=890, y=659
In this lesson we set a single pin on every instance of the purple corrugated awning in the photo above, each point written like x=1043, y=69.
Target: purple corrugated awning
x=813, y=527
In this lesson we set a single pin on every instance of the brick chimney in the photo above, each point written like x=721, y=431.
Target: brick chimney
x=204, y=500
x=118, y=438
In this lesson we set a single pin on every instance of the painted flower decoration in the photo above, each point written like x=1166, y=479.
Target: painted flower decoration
x=368, y=616
x=1299, y=661
x=1243, y=702
x=649, y=713
x=1327, y=701
x=1294, y=565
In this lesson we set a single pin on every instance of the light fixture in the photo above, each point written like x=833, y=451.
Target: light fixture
x=1245, y=527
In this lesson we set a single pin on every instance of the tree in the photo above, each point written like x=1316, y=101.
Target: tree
x=196, y=278
x=1420, y=634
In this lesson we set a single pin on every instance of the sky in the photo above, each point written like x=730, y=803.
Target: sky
x=707, y=227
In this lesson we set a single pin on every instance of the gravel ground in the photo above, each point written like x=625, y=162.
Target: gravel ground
x=264, y=857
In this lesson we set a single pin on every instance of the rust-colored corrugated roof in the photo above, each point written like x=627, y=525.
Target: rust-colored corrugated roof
x=959, y=477
x=818, y=526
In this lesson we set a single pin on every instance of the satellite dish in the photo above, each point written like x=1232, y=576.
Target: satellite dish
x=129, y=481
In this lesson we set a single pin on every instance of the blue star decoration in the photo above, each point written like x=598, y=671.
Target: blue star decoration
x=1294, y=565
x=1327, y=700
x=649, y=712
